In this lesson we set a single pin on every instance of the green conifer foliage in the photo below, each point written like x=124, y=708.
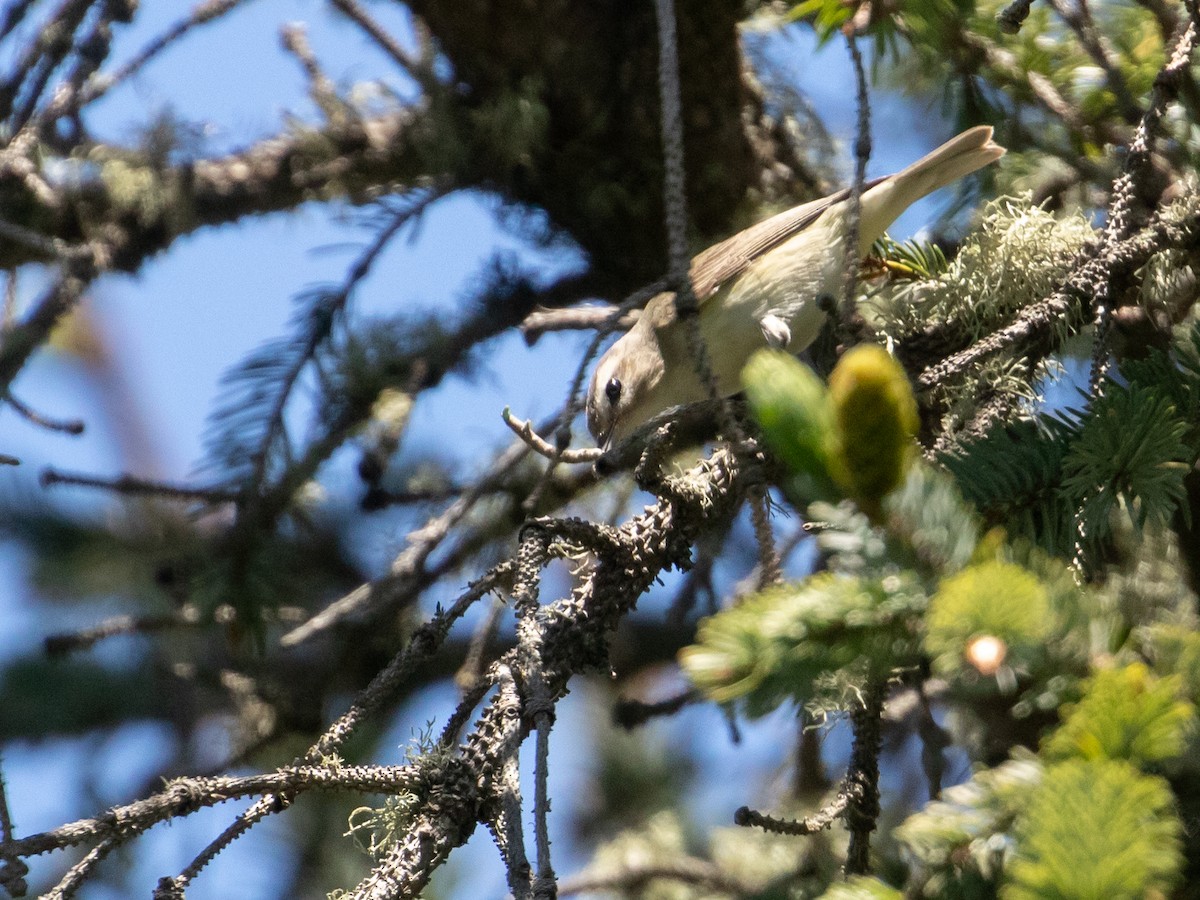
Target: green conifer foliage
x=1127, y=847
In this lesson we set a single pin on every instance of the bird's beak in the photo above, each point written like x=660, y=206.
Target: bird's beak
x=603, y=438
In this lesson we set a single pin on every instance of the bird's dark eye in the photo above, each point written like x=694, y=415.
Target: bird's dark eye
x=612, y=391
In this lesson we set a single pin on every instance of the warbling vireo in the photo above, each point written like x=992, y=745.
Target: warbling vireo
x=759, y=288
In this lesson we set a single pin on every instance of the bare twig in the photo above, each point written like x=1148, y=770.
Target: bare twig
x=13, y=15
x=862, y=778
x=26, y=412
x=525, y=431
x=675, y=205
x=89, y=53
x=129, y=484
x=420, y=647
x=12, y=868
x=272, y=803
x=1007, y=67
x=41, y=59
x=630, y=714
x=538, y=701
x=75, y=876
x=67, y=642
x=862, y=155
x=507, y=822
x=48, y=247
x=674, y=179
x=1121, y=215
x=19, y=342
x=1079, y=20
x=470, y=673
x=699, y=581
x=424, y=641
x=188, y=795
x=101, y=83
x=632, y=879
x=934, y=740
x=819, y=821
x=407, y=566
x=8, y=311
x=575, y=318
x=769, y=563
x=419, y=68
x=471, y=698
x=320, y=87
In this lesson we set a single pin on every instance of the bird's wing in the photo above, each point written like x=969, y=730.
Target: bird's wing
x=721, y=262
x=713, y=267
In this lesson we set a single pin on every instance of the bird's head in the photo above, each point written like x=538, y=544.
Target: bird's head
x=620, y=394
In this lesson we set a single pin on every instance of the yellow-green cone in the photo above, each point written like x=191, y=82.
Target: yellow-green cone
x=877, y=420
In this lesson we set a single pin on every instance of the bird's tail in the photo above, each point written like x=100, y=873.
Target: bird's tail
x=959, y=156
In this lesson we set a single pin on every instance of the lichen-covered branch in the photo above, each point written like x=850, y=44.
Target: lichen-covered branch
x=573, y=634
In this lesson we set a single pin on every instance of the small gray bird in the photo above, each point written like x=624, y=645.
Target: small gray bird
x=759, y=288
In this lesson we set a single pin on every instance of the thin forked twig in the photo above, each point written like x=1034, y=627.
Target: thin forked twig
x=523, y=428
